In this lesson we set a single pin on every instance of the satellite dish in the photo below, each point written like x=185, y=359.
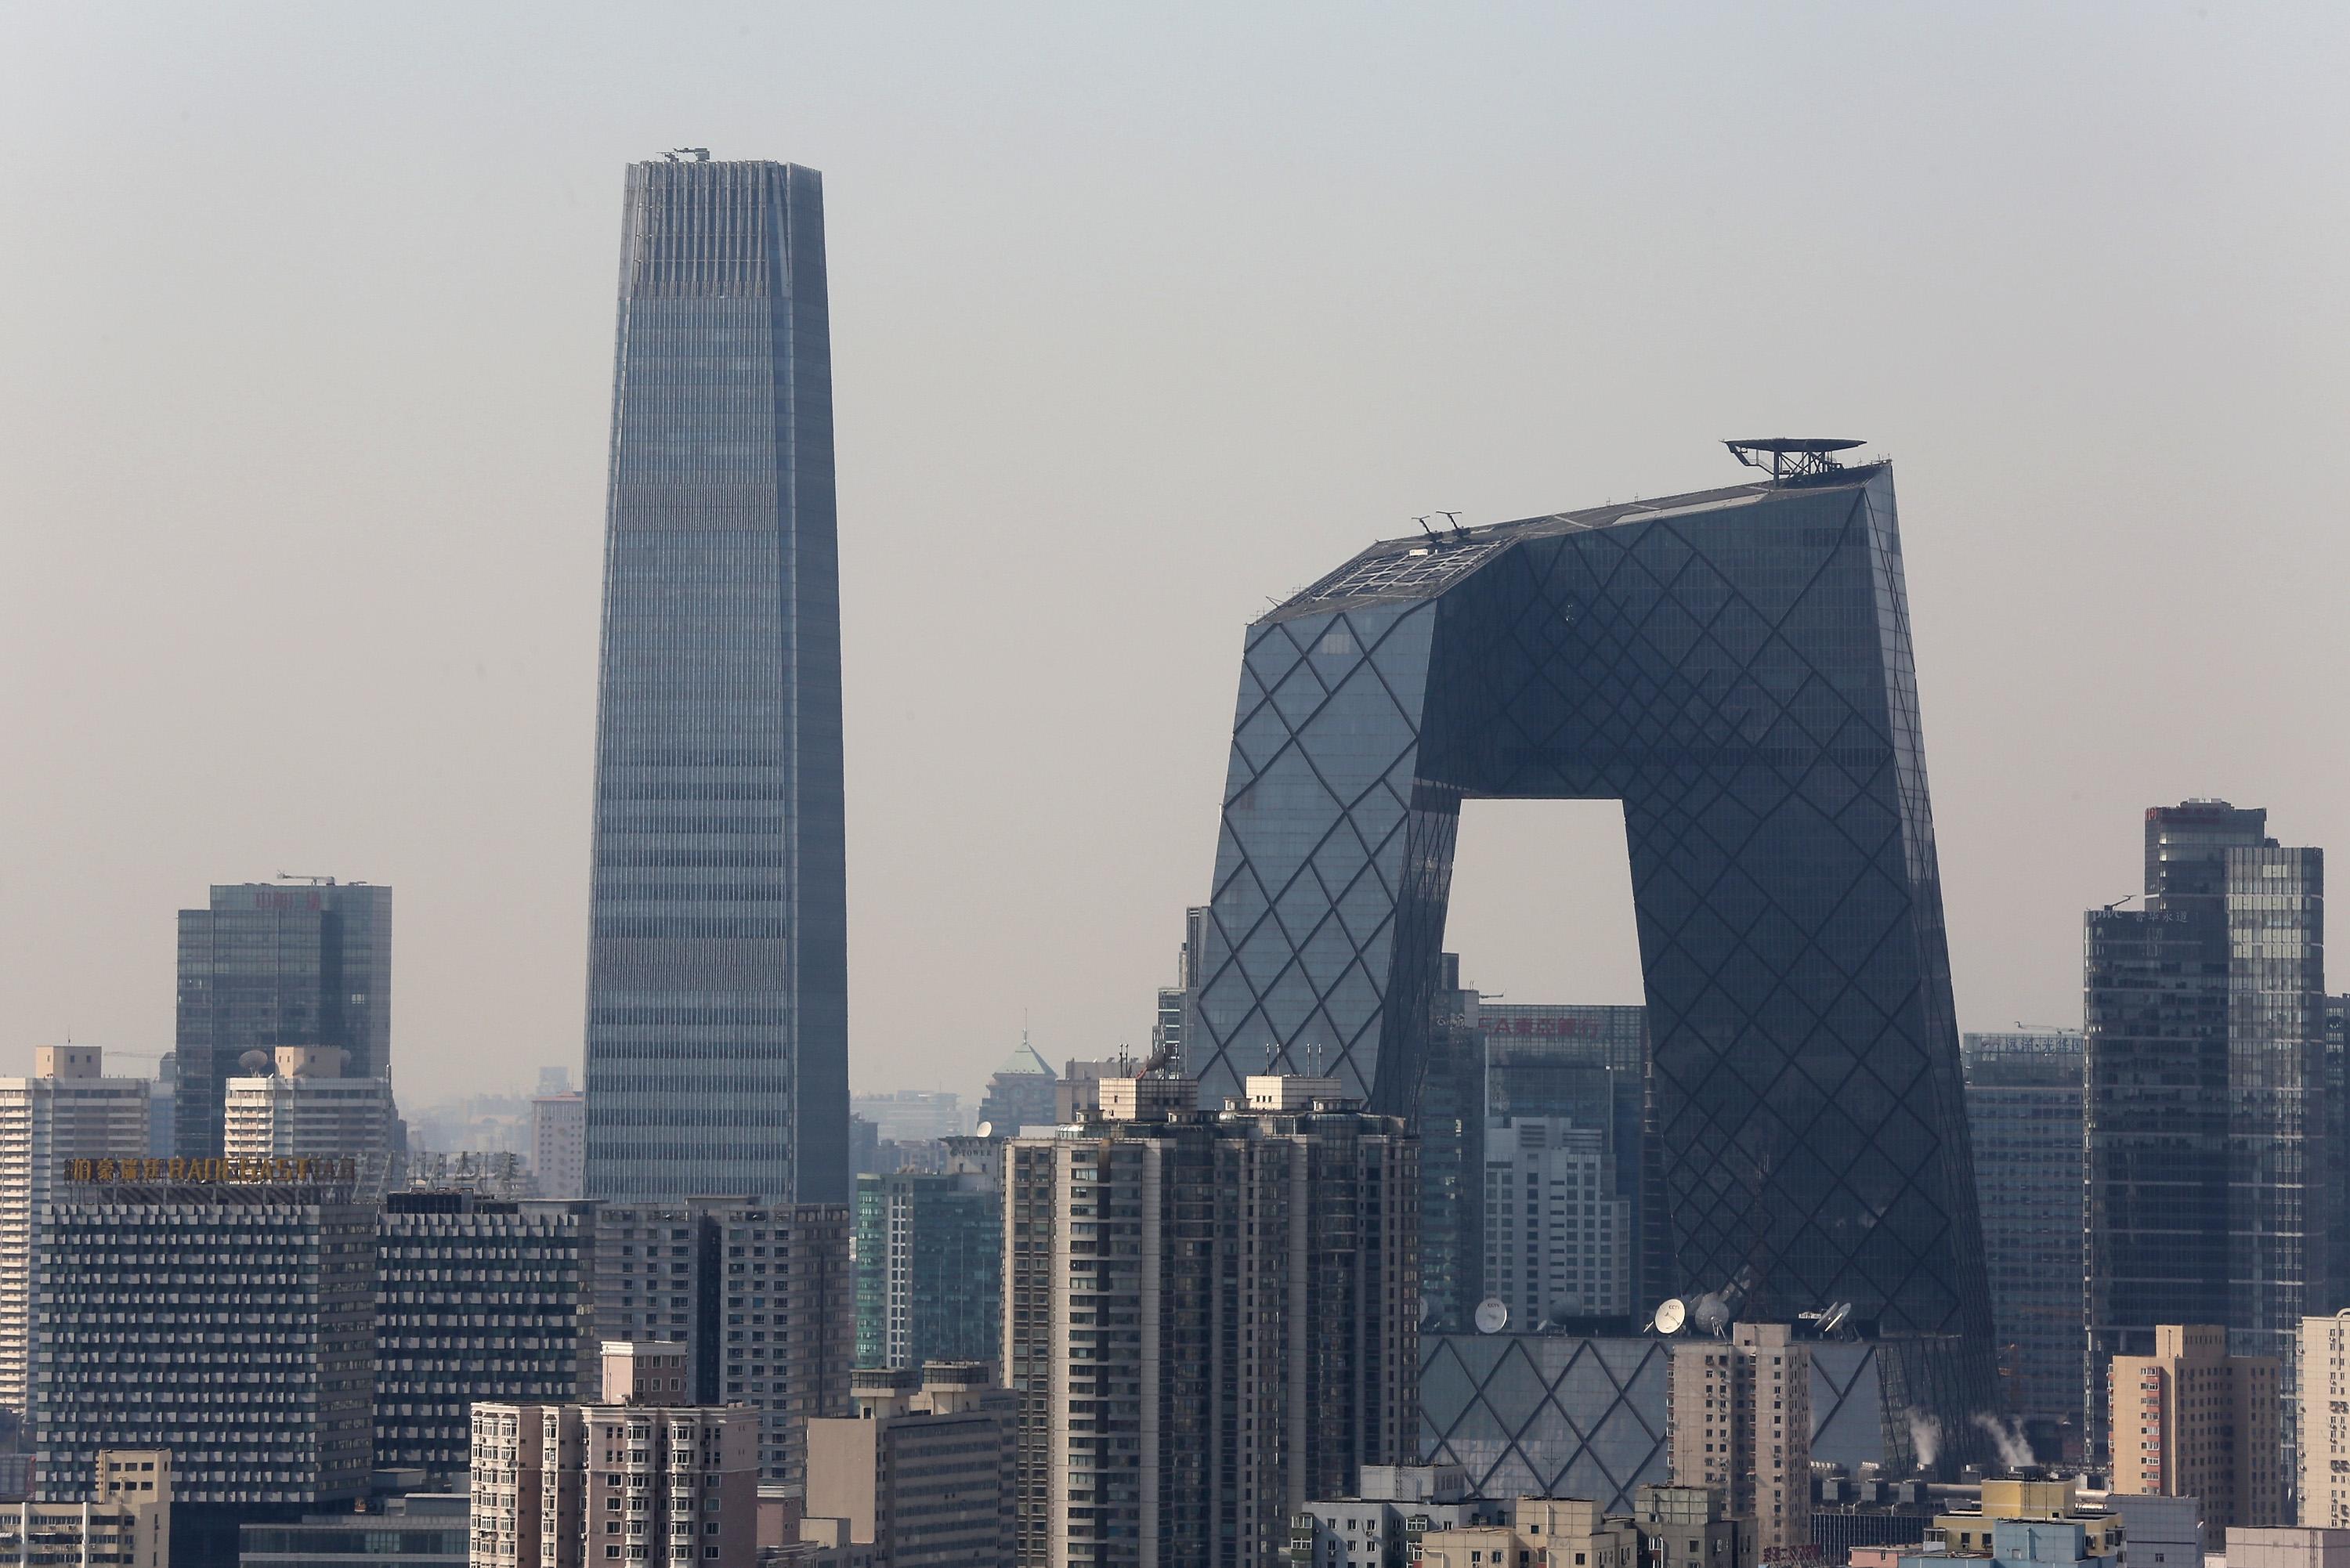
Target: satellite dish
x=987, y=1129
x=1835, y=1317
x=1426, y=1311
x=1672, y=1315
x=1710, y=1314
x=256, y=1063
x=1492, y=1316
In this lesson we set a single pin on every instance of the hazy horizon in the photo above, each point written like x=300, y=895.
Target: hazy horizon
x=1140, y=320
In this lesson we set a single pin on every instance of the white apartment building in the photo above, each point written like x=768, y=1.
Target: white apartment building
x=559, y=1144
x=305, y=1107
x=1558, y=1239
x=67, y=1110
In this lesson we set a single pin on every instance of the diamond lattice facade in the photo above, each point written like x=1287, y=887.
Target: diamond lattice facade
x=717, y=985
x=1734, y=667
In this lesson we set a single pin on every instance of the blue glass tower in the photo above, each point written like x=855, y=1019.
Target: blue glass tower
x=1734, y=667
x=717, y=975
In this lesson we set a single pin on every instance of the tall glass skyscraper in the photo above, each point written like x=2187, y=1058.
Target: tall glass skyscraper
x=717, y=974
x=1735, y=668
x=2023, y=1107
x=2213, y=1181
x=277, y=963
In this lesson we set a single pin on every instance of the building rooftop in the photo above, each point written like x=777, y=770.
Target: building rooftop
x=1418, y=566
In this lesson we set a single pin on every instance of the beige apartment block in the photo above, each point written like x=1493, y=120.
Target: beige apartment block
x=2191, y=1420
x=1738, y=1419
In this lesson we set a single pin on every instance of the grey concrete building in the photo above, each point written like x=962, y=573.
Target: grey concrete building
x=760, y=1299
x=476, y=1299
x=229, y=1321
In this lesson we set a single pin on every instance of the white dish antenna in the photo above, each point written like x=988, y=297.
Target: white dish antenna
x=1493, y=1316
x=987, y=1129
x=1672, y=1315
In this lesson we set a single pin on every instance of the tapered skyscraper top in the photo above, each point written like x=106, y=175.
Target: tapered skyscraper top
x=717, y=975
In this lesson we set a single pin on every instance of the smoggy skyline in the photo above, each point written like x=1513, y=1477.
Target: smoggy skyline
x=1140, y=320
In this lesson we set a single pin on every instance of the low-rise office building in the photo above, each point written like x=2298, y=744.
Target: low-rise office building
x=1540, y=1531
x=2159, y=1531
x=2311, y=1546
x=922, y=1471
x=124, y=1522
x=421, y=1529
x=1395, y=1506
x=2029, y=1543
x=1692, y=1527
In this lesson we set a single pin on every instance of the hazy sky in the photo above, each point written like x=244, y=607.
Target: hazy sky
x=1141, y=316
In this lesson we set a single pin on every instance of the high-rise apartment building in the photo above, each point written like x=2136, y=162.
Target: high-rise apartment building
x=271, y=964
x=760, y=1301
x=1209, y=1318
x=2324, y=1413
x=2210, y=1177
x=922, y=1470
x=229, y=1321
x=1587, y=1063
x=717, y=970
x=2191, y=1420
x=1735, y=667
x=304, y=1107
x=1738, y=1417
x=1558, y=1242
x=67, y=1110
x=559, y=1144
x=643, y=1475
x=2024, y=1112
x=930, y=1260
x=474, y=1299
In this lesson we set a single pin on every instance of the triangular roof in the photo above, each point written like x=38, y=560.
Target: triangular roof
x=1025, y=1060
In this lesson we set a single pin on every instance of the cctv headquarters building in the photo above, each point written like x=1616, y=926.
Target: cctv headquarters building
x=1733, y=667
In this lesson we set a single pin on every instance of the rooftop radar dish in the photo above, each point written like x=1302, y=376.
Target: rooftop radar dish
x=1672, y=1315
x=987, y=1129
x=1791, y=459
x=1493, y=1316
x=1712, y=1313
